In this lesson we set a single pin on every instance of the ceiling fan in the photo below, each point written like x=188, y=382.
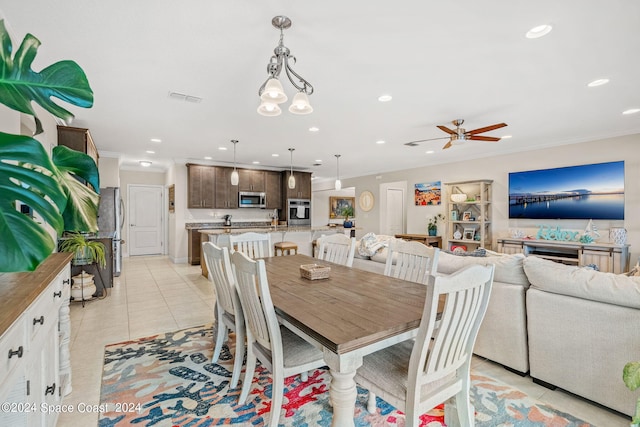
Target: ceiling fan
x=461, y=135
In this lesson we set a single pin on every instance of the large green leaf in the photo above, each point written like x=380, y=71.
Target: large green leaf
x=81, y=210
x=25, y=176
x=20, y=85
x=631, y=375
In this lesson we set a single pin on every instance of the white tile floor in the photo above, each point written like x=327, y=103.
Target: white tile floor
x=154, y=295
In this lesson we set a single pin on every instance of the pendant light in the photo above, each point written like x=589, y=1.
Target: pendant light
x=338, y=183
x=235, y=178
x=292, y=179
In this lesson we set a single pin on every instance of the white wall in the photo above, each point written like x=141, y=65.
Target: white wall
x=320, y=205
x=109, y=170
x=497, y=169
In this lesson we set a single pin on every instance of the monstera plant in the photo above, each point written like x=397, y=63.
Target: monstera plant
x=27, y=174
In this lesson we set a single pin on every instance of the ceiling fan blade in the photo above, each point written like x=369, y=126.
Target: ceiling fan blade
x=447, y=130
x=486, y=128
x=447, y=145
x=483, y=138
x=415, y=143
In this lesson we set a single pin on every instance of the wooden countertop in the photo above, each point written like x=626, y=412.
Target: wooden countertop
x=272, y=229
x=19, y=290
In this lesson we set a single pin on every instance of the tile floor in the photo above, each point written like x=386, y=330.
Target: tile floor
x=154, y=295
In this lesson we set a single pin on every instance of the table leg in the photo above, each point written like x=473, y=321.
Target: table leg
x=342, y=391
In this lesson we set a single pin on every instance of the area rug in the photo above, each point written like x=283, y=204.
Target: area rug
x=168, y=380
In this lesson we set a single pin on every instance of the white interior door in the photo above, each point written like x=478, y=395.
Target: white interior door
x=145, y=220
x=392, y=208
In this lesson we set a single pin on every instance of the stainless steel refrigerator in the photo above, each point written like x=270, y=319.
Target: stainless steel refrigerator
x=110, y=222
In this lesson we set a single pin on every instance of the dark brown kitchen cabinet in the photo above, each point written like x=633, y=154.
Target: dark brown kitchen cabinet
x=226, y=194
x=273, y=188
x=78, y=139
x=302, y=189
x=194, y=241
x=201, y=186
x=251, y=180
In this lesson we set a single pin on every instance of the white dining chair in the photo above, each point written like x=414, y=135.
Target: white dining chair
x=410, y=260
x=228, y=309
x=254, y=245
x=415, y=376
x=281, y=351
x=337, y=248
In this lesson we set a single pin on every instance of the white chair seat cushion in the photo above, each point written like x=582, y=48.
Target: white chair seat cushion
x=387, y=369
x=297, y=351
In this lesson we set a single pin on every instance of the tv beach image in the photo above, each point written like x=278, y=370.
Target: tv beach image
x=593, y=191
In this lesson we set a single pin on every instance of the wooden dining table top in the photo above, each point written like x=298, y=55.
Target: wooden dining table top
x=351, y=309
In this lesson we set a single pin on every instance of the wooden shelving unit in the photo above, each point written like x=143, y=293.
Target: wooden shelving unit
x=470, y=218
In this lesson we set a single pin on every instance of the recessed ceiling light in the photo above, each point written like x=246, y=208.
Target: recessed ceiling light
x=275, y=155
x=222, y=148
x=385, y=98
x=255, y=162
x=429, y=152
x=151, y=152
x=208, y=157
x=145, y=163
x=319, y=161
x=314, y=129
x=156, y=140
x=380, y=141
x=598, y=82
x=506, y=137
x=631, y=111
x=539, y=31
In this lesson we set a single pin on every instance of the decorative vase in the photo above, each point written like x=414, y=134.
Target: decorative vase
x=347, y=224
x=618, y=235
x=432, y=231
x=83, y=286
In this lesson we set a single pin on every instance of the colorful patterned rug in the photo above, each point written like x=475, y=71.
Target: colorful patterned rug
x=168, y=380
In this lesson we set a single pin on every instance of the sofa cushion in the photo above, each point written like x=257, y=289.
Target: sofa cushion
x=582, y=282
x=508, y=267
x=381, y=256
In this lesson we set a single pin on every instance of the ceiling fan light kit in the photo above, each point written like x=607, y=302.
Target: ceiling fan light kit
x=271, y=92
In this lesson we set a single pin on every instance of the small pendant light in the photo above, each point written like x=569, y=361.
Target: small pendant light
x=292, y=179
x=338, y=183
x=235, y=178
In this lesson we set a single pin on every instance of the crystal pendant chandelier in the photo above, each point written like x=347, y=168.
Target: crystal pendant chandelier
x=271, y=92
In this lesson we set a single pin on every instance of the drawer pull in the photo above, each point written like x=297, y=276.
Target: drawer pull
x=17, y=352
x=57, y=294
x=66, y=281
x=50, y=390
x=40, y=320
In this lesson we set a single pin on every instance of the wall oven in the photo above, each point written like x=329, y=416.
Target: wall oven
x=248, y=199
x=299, y=211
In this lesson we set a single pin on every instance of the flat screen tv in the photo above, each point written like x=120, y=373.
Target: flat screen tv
x=575, y=192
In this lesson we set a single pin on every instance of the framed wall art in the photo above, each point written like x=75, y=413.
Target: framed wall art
x=428, y=193
x=337, y=205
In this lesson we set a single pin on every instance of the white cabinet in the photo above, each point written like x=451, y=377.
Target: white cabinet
x=469, y=219
x=34, y=367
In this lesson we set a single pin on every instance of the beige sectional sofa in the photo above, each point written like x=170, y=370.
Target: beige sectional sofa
x=583, y=327
x=571, y=327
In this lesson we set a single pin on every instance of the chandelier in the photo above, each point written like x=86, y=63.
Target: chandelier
x=271, y=92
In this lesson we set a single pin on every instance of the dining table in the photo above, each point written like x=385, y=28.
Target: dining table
x=350, y=314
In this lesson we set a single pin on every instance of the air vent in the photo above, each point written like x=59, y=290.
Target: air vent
x=184, y=97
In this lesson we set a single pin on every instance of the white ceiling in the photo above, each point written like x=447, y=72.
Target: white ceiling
x=440, y=61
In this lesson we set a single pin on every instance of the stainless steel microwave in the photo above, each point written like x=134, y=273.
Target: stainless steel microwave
x=248, y=199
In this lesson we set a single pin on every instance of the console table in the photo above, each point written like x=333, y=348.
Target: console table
x=607, y=256
x=435, y=241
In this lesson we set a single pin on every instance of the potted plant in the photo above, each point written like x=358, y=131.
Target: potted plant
x=432, y=224
x=631, y=378
x=85, y=251
x=47, y=184
x=347, y=212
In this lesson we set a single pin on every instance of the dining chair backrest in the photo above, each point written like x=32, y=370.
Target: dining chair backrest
x=466, y=295
x=254, y=245
x=337, y=248
x=255, y=298
x=220, y=274
x=414, y=261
